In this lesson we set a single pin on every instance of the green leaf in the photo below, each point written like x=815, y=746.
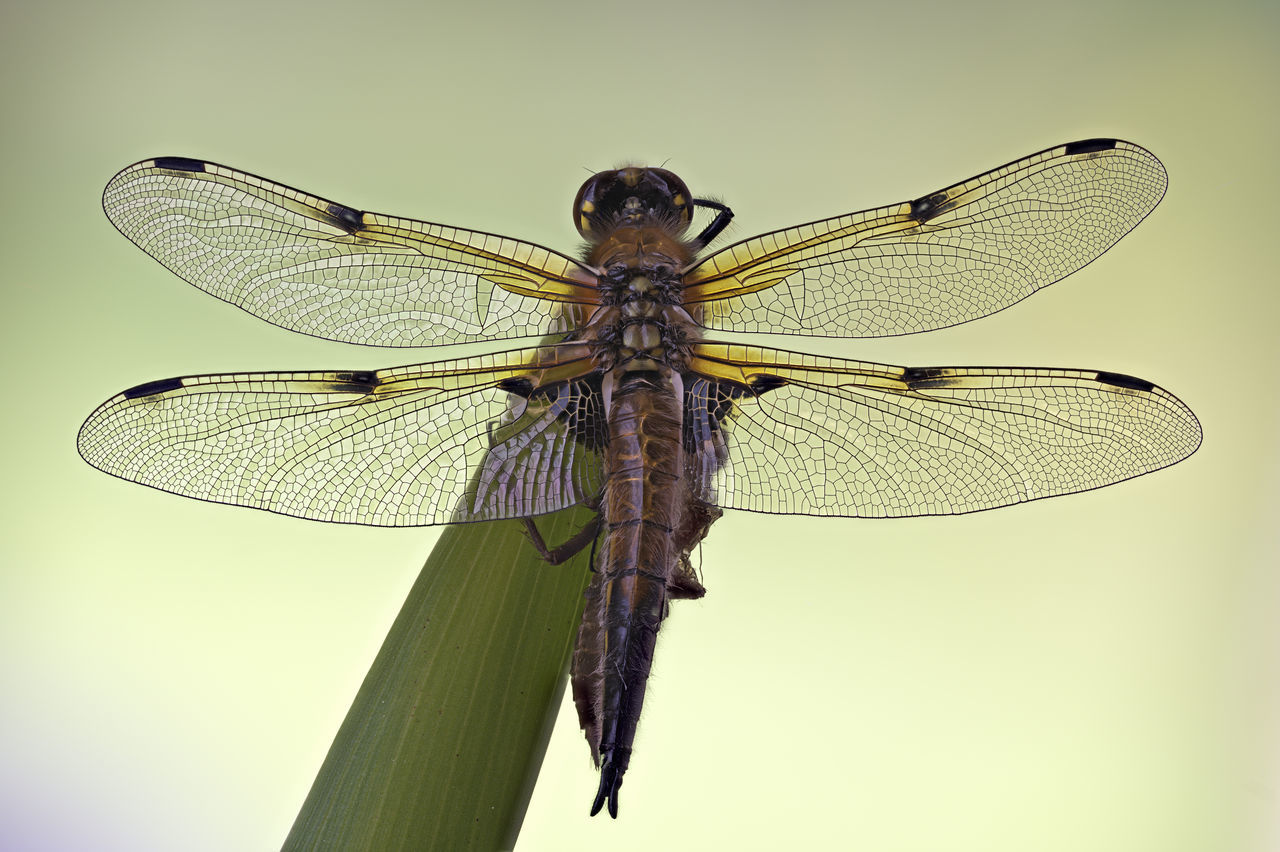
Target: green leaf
x=443, y=743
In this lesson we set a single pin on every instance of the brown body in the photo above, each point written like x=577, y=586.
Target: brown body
x=642, y=337
x=652, y=522
x=637, y=562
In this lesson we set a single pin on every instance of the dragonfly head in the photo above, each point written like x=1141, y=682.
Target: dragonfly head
x=632, y=195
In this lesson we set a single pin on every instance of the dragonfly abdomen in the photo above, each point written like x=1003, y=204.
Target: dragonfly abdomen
x=641, y=509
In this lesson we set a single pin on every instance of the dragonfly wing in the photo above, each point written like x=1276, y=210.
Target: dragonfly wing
x=948, y=257
x=410, y=446
x=790, y=433
x=321, y=268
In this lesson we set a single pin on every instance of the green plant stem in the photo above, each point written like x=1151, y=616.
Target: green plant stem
x=443, y=743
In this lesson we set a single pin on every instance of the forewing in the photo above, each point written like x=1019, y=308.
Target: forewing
x=948, y=257
x=321, y=268
x=824, y=436
x=429, y=444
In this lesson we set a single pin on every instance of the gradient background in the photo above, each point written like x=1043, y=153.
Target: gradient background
x=1093, y=673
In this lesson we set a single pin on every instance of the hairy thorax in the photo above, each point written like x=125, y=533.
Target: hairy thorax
x=642, y=324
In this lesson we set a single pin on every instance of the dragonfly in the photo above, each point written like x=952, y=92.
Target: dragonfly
x=627, y=402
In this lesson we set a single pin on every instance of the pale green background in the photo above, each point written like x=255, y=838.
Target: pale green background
x=1092, y=673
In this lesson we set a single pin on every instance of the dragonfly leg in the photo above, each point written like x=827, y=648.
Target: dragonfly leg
x=717, y=224
x=556, y=555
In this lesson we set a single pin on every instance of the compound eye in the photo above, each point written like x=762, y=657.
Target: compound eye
x=678, y=191
x=630, y=194
x=586, y=204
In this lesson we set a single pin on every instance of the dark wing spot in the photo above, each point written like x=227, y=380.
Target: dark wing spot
x=1089, y=146
x=518, y=385
x=361, y=381
x=911, y=375
x=1120, y=380
x=765, y=382
x=346, y=218
x=179, y=164
x=929, y=207
x=347, y=387
x=151, y=388
x=924, y=378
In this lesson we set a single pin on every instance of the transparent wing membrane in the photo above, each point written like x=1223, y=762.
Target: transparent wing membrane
x=429, y=444
x=826, y=436
x=948, y=257
x=522, y=433
x=324, y=269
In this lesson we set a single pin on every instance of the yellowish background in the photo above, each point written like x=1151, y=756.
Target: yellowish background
x=1090, y=673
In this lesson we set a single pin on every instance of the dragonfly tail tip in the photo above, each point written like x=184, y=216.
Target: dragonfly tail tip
x=610, y=781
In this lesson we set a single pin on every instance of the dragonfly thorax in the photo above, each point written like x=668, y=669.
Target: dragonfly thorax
x=642, y=324
x=643, y=335
x=640, y=264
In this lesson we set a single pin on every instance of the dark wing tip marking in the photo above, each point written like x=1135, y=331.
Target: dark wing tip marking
x=347, y=218
x=179, y=164
x=1089, y=146
x=1120, y=380
x=518, y=385
x=152, y=388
